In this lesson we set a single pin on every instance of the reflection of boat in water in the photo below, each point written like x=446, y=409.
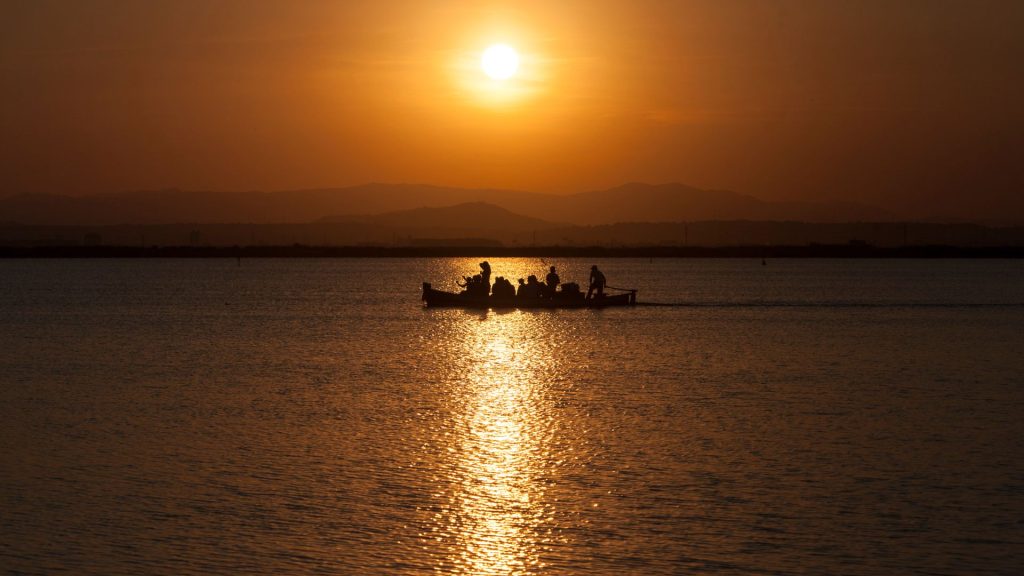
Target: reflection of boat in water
x=574, y=299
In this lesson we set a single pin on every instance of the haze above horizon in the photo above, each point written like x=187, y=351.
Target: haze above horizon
x=911, y=107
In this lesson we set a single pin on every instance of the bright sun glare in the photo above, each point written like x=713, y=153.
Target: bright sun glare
x=500, y=61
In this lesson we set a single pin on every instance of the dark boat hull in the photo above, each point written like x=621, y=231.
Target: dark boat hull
x=440, y=299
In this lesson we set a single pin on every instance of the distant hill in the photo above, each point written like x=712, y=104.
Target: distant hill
x=637, y=202
x=469, y=216
x=628, y=203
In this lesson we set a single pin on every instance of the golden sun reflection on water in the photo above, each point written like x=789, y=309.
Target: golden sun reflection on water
x=502, y=439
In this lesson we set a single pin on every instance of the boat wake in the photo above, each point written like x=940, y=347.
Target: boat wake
x=830, y=304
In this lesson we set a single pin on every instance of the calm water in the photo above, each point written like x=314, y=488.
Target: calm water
x=308, y=416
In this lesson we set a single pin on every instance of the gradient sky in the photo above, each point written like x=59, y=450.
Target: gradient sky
x=912, y=105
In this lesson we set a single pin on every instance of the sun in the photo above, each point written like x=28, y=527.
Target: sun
x=500, y=61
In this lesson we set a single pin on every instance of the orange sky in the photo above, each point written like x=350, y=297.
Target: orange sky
x=912, y=105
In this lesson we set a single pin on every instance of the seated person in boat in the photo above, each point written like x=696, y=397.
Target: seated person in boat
x=519, y=289
x=569, y=289
x=553, y=281
x=503, y=288
x=597, y=282
x=474, y=287
x=532, y=288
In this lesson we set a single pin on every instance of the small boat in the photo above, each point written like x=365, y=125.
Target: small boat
x=440, y=299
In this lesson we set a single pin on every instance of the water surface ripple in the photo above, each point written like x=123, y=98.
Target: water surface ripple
x=310, y=417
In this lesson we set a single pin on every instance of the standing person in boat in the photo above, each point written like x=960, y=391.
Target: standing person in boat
x=597, y=282
x=553, y=282
x=485, y=277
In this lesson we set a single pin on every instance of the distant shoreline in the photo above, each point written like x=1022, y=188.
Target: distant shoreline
x=302, y=251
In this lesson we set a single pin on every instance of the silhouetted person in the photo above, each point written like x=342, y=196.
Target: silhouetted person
x=503, y=288
x=485, y=277
x=521, y=288
x=553, y=281
x=597, y=282
x=532, y=289
x=536, y=288
x=474, y=286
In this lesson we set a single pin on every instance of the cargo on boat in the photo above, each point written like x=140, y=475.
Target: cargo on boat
x=561, y=299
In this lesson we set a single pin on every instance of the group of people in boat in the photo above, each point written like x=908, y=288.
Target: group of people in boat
x=479, y=285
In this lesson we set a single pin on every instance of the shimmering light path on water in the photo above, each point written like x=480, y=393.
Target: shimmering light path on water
x=285, y=416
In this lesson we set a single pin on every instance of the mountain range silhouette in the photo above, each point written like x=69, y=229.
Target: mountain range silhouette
x=423, y=205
